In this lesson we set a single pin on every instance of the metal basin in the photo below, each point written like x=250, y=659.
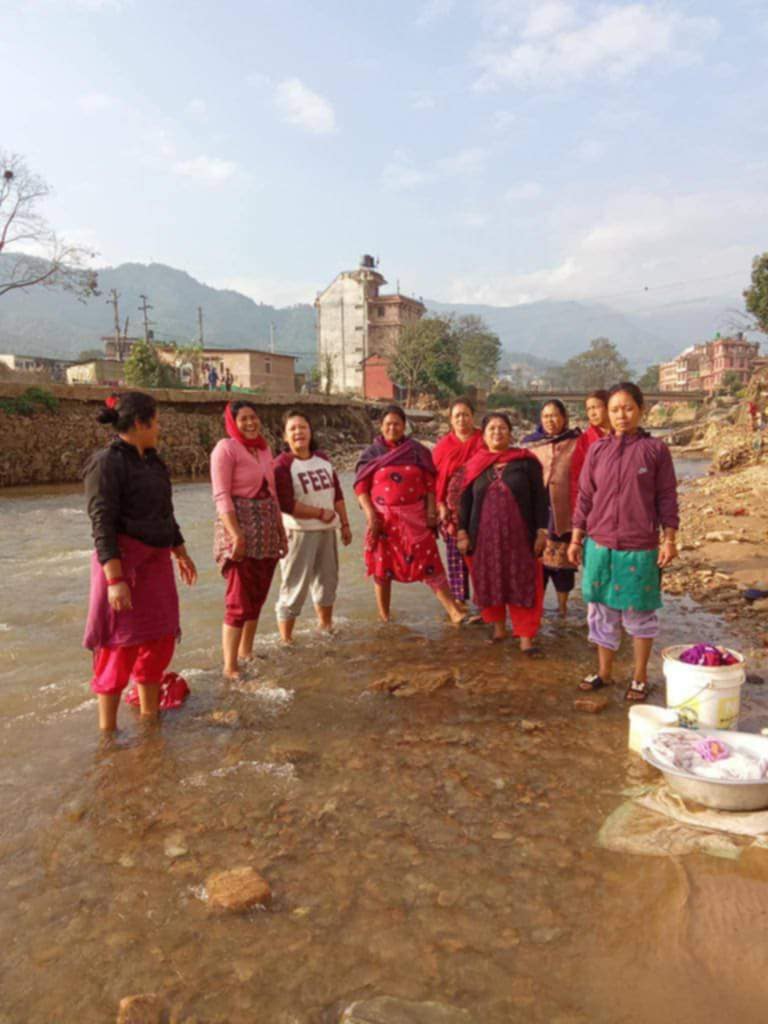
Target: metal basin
x=723, y=795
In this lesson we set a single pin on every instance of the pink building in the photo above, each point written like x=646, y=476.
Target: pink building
x=711, y=366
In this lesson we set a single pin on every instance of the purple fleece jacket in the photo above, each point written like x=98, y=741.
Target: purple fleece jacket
x=627, y=490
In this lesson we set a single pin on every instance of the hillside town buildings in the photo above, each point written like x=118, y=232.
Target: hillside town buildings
x=54, y=369
x=358, y=327
x=710, y=366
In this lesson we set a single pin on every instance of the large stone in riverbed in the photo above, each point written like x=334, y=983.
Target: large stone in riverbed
x=388, y=1010
x=142, y=1009
x=238, y=890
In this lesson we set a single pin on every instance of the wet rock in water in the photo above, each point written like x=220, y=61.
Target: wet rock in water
x=238, y=890
x=387, y=1010
x=141, y=1009
x=755, y=680
x=527, y=726
x=175, y=846
x=230, y=718
x=417, y=681
x=590, y=705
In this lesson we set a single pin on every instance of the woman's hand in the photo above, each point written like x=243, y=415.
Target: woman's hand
x=667, y=553
x=187, y=569
x=238, y=547
x=575, y=552
x=119, y=597
x=443, y=513
x=540, y=543
x=346, y=534
x=374, y=525
x=462, y=542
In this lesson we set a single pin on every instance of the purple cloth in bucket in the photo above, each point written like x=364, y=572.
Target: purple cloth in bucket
x=708, y=654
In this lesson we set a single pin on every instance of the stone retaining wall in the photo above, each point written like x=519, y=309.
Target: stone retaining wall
x=52, y=446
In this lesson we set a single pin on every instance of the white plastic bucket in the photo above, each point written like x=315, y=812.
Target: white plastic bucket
x=645, y=720
x=704, y=696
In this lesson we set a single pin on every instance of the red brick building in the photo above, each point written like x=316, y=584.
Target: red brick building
x=711, y=366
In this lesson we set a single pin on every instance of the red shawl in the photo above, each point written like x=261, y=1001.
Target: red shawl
x=236, y=433
x=450, y=454
x=484, y=458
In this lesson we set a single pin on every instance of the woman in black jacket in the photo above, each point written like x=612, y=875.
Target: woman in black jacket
x=503, y=526
x=133, y=615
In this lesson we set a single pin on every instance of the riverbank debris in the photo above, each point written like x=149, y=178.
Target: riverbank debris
x=147, y=1008
x=387, y=1010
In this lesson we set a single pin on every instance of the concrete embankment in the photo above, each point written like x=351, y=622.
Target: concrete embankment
x=48, y=441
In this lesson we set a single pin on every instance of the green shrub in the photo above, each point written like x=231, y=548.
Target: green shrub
x=29, y=402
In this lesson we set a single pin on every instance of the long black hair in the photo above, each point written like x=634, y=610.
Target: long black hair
x=127, y=409
x=496, y=416
x=394, y=410
x=244, y=404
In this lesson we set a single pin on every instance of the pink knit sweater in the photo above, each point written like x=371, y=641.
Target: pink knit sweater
x=236, y=473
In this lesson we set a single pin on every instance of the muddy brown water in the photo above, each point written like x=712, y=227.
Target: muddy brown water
x=439, y=847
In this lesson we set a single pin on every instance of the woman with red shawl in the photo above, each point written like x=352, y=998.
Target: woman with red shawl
x=395, y=485
x=596, y=408
x=451, y=454
x=249, y=536
x=503, y=526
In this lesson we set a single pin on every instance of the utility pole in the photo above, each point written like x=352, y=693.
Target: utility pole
x=271, y=337
x=200, y=336
x=113, y=302
x=145, y=308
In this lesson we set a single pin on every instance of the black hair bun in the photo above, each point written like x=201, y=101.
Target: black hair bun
x=108, y=415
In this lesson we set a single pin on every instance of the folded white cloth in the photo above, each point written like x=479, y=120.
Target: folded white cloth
x=677, y=748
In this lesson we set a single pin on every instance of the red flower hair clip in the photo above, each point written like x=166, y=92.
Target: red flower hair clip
x=111, y=402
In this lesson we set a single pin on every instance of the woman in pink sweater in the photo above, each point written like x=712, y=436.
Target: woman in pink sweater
x=249, y=536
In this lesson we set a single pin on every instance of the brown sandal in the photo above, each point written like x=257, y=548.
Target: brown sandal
x=637, y=691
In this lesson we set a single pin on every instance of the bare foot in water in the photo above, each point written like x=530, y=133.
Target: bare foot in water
x=499, y=634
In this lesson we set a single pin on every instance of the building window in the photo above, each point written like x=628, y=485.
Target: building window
x=267, y=366
x=380, y=311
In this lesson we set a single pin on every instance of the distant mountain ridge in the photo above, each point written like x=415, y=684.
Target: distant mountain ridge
x=42, y=322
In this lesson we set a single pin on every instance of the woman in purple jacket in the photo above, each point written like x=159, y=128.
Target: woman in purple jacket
x=627, y=494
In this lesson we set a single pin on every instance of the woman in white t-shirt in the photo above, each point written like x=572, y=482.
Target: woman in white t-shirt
x=312, y=504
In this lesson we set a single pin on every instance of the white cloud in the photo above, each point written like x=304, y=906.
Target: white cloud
x=423, y=101
x=197, y=108
x=432, y=11
x=301, y=106
x=552, y=48
x=95, y=102
x=588, y=151
x=522, y=191
x=275, y=291
x=639, y=241
x=211, y=170
x=401, y=174
x=502, y=121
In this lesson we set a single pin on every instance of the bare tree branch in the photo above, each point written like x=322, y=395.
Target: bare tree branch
x=55, y=262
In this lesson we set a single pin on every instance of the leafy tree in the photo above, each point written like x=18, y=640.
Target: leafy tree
x=479, y=351
x=427, y=358
x=650, y=379
x=60, y=264
x=601, y=366
x=144, y=369
x=756, y=296
x=732, y=382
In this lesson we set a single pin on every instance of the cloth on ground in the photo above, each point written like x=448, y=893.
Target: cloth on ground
x=659, y=823
x=173, y=692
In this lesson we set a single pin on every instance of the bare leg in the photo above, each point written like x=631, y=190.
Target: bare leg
x=642, y=651
x=286, y=629
x=499, y=632
x=324, y=617
x=230, y=642
x=446, y=599
x=562, y=603
x=526, y=643
x=246, y=640
x=149, y=699
x=108, y=705
x=383, y=599
x=605, y=658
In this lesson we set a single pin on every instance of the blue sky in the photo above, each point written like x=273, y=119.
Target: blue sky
x=490, y=150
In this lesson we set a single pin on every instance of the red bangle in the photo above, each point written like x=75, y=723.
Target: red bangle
x=116, y=580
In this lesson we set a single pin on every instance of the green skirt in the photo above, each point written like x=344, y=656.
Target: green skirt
x=625, y=580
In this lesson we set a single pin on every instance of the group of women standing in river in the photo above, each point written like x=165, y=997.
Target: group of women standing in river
x=512, y=518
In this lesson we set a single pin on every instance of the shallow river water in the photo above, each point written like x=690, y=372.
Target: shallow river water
x=438, y=847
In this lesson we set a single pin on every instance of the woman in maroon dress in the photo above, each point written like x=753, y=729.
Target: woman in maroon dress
x=503, y=526
x=395, y=485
